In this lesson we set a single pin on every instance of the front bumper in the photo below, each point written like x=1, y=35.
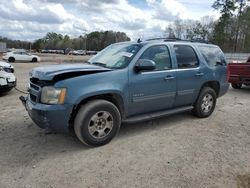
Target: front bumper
x=5, y=84
x=55, y=117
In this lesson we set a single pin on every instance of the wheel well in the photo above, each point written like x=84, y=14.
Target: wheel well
x=113, y=98
x=215, y=85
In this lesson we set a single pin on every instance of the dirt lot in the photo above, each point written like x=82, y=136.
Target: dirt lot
x=176, y=151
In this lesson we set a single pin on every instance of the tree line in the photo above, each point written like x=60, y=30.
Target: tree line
x=96, y=41
x=231, y=32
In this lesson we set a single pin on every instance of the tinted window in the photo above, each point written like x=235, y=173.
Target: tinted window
x=160, y=55
x=186, y=57
x=212, y=55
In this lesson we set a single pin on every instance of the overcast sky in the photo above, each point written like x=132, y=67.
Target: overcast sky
x=32, y=19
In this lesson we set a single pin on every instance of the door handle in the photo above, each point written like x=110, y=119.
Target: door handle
x=169, y=77
x=199, y=74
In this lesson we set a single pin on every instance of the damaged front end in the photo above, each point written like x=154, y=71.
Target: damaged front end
x=54, y=117
x=46, y=103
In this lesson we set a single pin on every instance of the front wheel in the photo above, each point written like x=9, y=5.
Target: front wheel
x=11, y=59
x=236, y=86
x=6, y=90
x=97, y=122
x=205, y=103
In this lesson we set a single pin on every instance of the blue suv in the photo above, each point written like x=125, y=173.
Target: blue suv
x=127, y=82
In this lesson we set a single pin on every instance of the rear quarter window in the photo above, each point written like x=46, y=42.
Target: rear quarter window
x=212, y=55
x=186, y=57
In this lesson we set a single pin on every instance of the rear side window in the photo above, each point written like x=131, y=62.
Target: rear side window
x=160, y=55
x=212, y=55
x=186, y=57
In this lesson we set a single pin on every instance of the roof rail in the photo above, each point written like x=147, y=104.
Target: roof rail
x=165, y=39
x=181, y=40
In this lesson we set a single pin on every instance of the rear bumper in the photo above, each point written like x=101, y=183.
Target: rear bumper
x=236, y=79
x=55, y=117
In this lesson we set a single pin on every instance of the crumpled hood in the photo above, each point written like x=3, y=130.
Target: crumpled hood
x=49, y=72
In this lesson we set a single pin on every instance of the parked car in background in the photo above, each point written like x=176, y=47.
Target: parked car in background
x=73, y=52
x=20, y=56
x=91, y=52
x=127, y=82
x=81, y=52
x=239, y=74
x=7, y=77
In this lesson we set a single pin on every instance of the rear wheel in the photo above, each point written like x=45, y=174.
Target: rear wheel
x=205, y=103
x=11, y=59
x=34, y=59
x=236, y=86
x=97, y=122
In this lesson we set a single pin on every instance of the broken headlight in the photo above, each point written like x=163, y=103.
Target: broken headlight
x=51, y=95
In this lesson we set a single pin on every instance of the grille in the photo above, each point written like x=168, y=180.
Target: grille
x=36, y=87
x=34, y=91
x=33, y=97
x=32, y=86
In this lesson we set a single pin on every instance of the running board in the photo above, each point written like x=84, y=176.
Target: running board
x=154, y=115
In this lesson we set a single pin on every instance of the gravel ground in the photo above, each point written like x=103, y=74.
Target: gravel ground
x=175, y=151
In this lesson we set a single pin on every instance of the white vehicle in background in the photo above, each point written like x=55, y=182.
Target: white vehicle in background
x=7, y=77
x=20, y=56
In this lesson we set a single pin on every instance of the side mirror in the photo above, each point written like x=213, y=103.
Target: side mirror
x=144, y=65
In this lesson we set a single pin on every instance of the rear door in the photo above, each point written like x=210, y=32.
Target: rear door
x=190, y=75
x=155, y=90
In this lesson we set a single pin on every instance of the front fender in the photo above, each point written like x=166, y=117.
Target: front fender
x=82, y=87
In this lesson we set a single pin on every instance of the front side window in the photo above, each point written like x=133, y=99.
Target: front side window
x=186, y=57
x=116, y=56
x=160, y=55
x=212, y=55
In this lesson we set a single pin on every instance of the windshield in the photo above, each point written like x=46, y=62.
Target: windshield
x=116, y=56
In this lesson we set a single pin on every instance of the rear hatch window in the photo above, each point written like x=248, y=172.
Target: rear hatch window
x=213, y=55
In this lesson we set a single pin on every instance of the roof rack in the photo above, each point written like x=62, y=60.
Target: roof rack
x=181, y=40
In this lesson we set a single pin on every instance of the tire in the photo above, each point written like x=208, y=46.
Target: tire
x=11, y=59
x=236, y=86
x=34, y=60
x=97, y=122
x=205, y=103
x=4, y=91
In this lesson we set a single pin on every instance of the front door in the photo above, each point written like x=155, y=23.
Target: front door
x=151, y=91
